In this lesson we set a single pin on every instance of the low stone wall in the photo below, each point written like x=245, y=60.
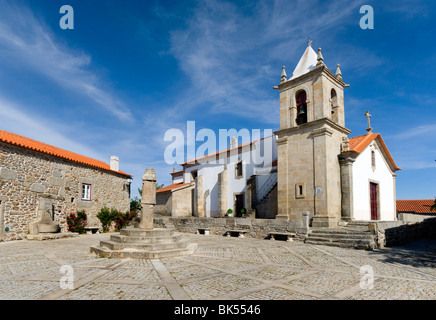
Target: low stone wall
x=257, y=228
x=398, y=232
x=413, y=217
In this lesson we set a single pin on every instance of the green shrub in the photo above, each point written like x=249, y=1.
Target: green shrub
x=106, y=217
x=121, y=220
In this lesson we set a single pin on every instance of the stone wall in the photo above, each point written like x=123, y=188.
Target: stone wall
x=396, y=233
x=26, y=176
x=163, y=203
x=257, y=228
x=414, y=217
x=267, y=208
x=182, y=201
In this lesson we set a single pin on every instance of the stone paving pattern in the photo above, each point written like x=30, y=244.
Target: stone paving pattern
x=222, y=269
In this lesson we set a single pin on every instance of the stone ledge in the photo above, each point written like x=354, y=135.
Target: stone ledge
x=51, y=236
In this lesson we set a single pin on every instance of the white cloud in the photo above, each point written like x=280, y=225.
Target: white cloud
x=28, y=41
x=16, y=119
x=231, y=55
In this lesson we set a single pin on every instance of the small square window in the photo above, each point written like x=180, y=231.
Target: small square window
x=238, y=169
x=300, y=191
x=86, y=192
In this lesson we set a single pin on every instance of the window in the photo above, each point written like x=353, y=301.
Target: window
x=86, y=191
x=373, y=159
x=194, y=175
x=238, y=169
x=300, y=191
x=334, y=105
x=301, y=101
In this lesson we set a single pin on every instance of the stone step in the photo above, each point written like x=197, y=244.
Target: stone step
x=162, y=239
x=356, y=245
x=344, y=240
x=112, y=245
x=340, y=231
x=143, y=254
x=156, y=232
x=363, y=236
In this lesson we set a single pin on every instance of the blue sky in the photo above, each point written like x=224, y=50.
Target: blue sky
x=131, y=70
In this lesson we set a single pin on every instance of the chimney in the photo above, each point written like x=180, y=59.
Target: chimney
x=115, y=163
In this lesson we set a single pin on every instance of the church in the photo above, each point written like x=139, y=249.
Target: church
x=318, y=168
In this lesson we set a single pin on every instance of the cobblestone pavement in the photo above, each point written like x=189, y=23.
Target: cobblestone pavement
x=222, y=268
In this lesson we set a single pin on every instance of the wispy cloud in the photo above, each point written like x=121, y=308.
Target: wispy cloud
x=427, y=130
x=16, y=119
x=29, y=42
x=232, y=57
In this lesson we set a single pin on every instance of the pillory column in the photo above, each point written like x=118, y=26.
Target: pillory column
x=148, y=200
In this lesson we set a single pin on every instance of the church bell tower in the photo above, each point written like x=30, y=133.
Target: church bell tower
x=312, y=128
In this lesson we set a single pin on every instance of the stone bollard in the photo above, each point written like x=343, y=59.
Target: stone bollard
x=305, y=220
x=148, y=200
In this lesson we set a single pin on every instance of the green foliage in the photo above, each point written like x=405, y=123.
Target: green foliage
x=121, y=220
x=77, y=221
x=229, y=211
x=135, y=204
x=433, y=207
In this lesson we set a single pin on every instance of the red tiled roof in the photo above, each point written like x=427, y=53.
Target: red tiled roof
x=176, y=172
x=416, y=206
x=359, y=143
x=172, y=187
x=24, y=142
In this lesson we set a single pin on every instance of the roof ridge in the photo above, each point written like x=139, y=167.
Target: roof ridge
x=42, y=147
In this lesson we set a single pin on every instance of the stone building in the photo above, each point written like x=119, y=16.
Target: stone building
x=35, y=174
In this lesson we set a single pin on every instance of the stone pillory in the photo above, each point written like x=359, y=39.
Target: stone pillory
x=39, y=181
x=146, y=242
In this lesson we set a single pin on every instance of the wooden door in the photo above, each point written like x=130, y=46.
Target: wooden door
x=374, y=196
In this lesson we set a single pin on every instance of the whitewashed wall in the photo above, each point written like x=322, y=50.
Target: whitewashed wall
x=235, y=185
x=363, y=174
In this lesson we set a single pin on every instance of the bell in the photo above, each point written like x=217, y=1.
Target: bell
x=301, y=113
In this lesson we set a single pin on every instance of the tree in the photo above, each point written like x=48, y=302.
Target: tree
x=433, y=207
x=135, y=203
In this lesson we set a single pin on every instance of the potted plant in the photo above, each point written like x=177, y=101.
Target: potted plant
x=229, y=213
x=243, y=212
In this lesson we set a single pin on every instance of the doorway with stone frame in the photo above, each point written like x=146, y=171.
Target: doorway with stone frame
x=239, y=203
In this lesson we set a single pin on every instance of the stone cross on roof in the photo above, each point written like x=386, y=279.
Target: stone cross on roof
x=367, y=115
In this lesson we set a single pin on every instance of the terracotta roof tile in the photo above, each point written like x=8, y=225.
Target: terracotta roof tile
x=195, y=161
x=416, y=206
x=359, y=143
x=177, y=172
x=27, y=143
x=172, y=187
